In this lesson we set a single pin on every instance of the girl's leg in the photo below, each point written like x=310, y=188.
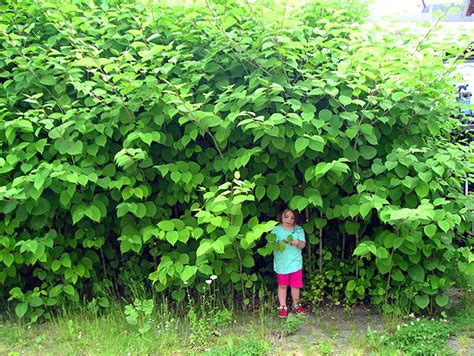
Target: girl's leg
x=295, y=295
x=282, y=295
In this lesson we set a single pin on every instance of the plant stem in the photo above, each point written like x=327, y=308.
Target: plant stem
x=321, y=250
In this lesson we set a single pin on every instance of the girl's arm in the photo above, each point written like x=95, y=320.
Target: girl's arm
x=298, y=243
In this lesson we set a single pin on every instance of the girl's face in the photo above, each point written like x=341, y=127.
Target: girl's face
x=288, y=219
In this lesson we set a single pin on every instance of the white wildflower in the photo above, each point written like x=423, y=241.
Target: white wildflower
x=185, y=282
x=398, y=327
x=213, y=277
x=208, y=281
x=411, y=315
x=417, y=319
x=79, y=335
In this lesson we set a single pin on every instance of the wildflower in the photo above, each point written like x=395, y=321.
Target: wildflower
x=213, y=277
x=209, y=281
x=398, y=327
x=412, y=323
x=79, y=335
x=185, y=282
x=417, y=319
x=411, y=315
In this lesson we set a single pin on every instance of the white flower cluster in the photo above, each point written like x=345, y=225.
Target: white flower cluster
x=211, y=279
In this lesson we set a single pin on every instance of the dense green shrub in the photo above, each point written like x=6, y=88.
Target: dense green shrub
x=152, y=141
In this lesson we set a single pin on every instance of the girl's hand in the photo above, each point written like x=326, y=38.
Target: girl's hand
x=295, y=243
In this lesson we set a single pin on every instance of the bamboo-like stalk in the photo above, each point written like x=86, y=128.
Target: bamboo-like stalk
x=320, y=251
x=343, y=247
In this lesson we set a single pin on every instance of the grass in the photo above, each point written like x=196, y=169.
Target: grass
x=217, y=331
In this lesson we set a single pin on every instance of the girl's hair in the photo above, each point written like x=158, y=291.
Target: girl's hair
x=285, y=209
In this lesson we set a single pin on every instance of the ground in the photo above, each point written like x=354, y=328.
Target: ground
x=331, y=330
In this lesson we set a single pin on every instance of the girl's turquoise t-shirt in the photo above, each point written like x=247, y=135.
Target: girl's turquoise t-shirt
x=291, y=259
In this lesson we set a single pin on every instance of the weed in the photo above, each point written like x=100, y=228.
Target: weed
x=325, y=347
x=419, y=336
x=138, y=314
x=221, y=318
x=201, y=329
x=291, y=324
x=242, y=347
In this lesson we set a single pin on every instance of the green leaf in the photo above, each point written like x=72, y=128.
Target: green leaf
x=430, y=230
x=444, y=225
x=78, y=213
x=64, y=198
x=273, y=192
x=301, y=144
x=417, y=273
x=248, y=261
x=397, y=275
x=76, y=148
x=422, y=189
x=317, y=143
x=35, y=301
x=325, y=115
x=298, y=203
x=188, y=272
x=442, y=300
x=55, y=291
x=69, y=289
x=365, y=209
x=425, y=176
x=55, y=265
x=205, y=269
x=20, y=309
x=8, y=259
x=175, y=176
x=345, y=100
x=203, y=248
x=172, y=237
x=422, y=301
x=166, y=225
x=259, y=192
x=48, y=80
x=93, y=213
x=232, y=230
x=377, y=167
x=218, y=246
x=351, y=285
x=368, y=152
x=351, y=227
x=361, y=250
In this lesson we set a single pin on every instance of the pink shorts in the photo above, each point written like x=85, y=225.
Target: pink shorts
x=294, y=280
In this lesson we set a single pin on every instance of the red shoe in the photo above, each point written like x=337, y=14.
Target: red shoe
x=282, y=312
x=298, y=309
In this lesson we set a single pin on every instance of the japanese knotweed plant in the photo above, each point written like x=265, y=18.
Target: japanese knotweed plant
x=122, y=126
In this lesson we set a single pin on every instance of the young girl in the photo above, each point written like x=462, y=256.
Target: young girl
x=288, y=264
